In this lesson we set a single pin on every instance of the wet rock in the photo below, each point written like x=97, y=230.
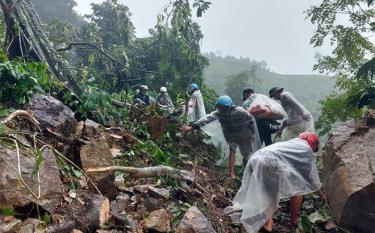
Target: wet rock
x=14, y=194
x=121, y=202
x=159, y=193
x=349, y=168
x=90, y=128
x=152, y=204
x=79, y=129
x=28, y=226
x=159, y=220
x=53, y=114
x=194, y=221
x=76, y=231
x=97, y=154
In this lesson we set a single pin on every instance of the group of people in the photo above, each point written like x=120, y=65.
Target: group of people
x=162, y=100
x=285, y=169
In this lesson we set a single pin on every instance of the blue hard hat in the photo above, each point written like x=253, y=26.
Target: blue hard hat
x=194, y=86
x=225, y=101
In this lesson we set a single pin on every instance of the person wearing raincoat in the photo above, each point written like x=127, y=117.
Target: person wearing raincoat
x=282, y=170
x=164, y=101
x=266, y=127
x=142, y=98
x=238, y=126
x=299, y=118
x=196, y=108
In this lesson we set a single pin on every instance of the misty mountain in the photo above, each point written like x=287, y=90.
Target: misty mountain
x=229, y=75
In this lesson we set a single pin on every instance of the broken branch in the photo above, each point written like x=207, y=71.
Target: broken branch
x=27, y=114
x=147, y=172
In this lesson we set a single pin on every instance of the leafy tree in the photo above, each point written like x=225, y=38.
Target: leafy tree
x=348, y=26
x=62, y=10
x=236, y=83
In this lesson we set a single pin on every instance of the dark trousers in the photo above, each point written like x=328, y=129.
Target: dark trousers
x=265, y=130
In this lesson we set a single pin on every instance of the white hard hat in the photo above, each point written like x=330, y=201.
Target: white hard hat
x=143, y=87
x=163, y=89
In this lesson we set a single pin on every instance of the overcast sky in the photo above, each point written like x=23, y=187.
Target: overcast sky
x=271, y=30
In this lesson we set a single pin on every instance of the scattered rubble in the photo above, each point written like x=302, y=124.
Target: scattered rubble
x=194, y=221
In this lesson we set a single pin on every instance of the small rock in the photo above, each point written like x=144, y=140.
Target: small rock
x=159, y=220
x=152, y=204
x=28, y=226
x=72, y=194
x=121, y=202
x=79, y=129
x=159, y=193
x=142, y=188
x=115, y=152
x=90, y=128
x=76, y=231
x=194, y=221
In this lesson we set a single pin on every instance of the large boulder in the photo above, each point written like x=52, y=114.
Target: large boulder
x=97, y=154
x=53, y=114
x=194, y=221
x=349, y=168
x=15, y=194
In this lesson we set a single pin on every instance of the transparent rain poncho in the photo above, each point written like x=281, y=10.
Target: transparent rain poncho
x=299, y=118
x=281, y=170
x=236, y=127
x=165, y=102
x=263, y=107
x=196, y=106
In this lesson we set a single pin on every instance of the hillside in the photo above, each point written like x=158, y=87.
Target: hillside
x=309, y=89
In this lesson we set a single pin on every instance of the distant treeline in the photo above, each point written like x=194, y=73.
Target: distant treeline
x=229, y=75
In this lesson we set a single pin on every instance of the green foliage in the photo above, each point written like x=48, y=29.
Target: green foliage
x=304, y=224
x=97, y=105
x=157, y=154
x=349, y=59
x=20, y=81
x=38, y=162
x=6, y=211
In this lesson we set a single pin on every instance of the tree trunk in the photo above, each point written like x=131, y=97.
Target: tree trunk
x=25, y=38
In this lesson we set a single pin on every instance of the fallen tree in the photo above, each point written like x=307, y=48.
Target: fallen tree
x=25, y=38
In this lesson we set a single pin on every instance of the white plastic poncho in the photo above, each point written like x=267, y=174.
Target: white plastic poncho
x=196, y=106
x=299, y=118
x=273, y=110
x=165, y=102
x=281, y=170
x=236, y=127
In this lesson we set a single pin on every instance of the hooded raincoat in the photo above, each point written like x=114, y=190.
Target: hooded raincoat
x=281, y=170
x=196, y=106
x=299, y=118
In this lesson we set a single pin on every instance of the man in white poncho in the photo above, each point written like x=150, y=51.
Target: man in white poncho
x=196, y=108
x=281, y=170
x=299, y=118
